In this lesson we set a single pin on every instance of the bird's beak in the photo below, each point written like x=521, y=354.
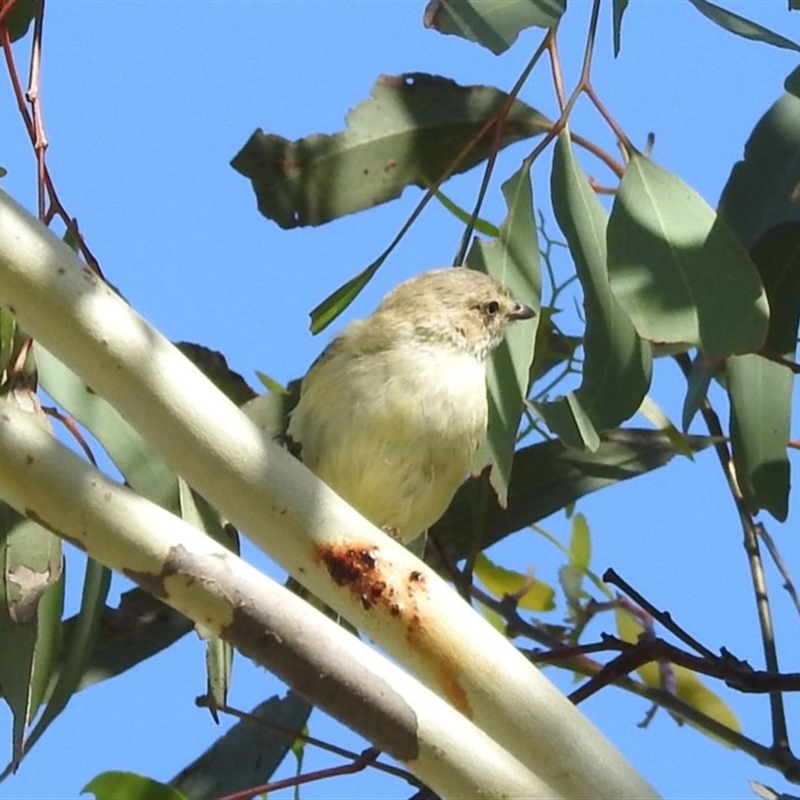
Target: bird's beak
x=521, y=312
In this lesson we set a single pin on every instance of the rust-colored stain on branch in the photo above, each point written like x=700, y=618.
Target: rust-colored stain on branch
x=359, y=569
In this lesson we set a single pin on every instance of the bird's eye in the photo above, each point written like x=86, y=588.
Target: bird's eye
x=492, y=307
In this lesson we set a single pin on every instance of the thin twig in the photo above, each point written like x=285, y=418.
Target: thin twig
x=664, y=617
x=295, y=735
x=775, y=554
x=37, y=137
x=499, y=122
x=780, y=734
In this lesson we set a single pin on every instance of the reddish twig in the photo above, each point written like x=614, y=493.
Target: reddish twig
x=73, y=429
x=49, y=204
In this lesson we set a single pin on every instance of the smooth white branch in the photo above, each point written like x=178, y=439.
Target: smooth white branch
x=230, y=598
x=371, y=580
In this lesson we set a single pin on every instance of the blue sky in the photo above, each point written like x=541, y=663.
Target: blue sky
x=146, y=103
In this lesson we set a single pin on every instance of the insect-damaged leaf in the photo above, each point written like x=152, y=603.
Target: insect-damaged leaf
x=410, y=132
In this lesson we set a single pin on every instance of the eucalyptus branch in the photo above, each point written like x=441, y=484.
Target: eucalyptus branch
x=576, y=659
x=378, y=585
x=664, y=617
x=231, y=599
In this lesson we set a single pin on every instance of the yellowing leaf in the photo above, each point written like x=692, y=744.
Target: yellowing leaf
x=532, y=594
x=688, y=686
x=580, y=544
x=696, y=694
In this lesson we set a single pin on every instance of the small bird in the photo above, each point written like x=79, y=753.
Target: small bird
x=393, y=411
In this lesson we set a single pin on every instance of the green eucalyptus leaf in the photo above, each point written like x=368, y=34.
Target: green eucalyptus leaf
x=335, y=303
x=494, y=24
x=617, y=364
x=568, y=419
x=677, y=268
x=618, y=9
x=248, y=754
x=547, y=477
x=741, y=26
x=512, y=258
x=219, y=654
x=138, y=629
x=777, y=256
x=219, y=667
x=31, y=602
x=414, y=128
x=270, y=384
x=580, y=544
x=761, y=190
x=481, y=226
x=19, y=18
x=129, y=786
x=698, y=381
x=760, y=391
x=77, y=648
x=136, y=460
x=760, y=398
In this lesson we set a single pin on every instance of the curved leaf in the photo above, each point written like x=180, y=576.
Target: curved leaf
x=617, y=363
x=529, y=593
x=761, y=189
x=78, y=647
x=760, y=391
x=129, y=786
x=326, y=312
x=19, y=18
x=687, y=687
x=742, y=26
x=495, y=24
x=31, y=602
x=547, y=477
x=411, y=131
x=678, y=270
x=139, y=628
x=512, y=258
x=618, y=9
x=760, y=394
x=777, y=256
x=697, y=383
x=136, y=460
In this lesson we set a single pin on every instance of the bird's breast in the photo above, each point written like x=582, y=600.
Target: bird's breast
x=395, y=431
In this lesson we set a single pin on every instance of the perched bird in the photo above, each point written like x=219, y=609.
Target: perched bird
x=393, y=411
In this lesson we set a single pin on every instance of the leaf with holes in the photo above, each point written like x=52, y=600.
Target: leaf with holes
x=413, y=130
